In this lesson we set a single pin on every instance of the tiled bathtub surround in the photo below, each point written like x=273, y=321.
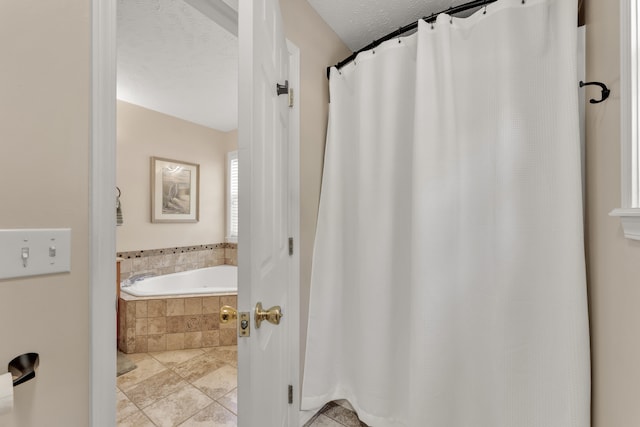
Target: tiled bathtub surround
x=148, y=325
x=174, y=323
x=173, y=260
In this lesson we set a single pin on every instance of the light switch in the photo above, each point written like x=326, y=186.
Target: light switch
x=33, y=252
x=25, y=257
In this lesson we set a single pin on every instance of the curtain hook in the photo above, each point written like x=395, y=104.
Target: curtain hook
x=485, y=10
x=399, y=34
x=605, y=91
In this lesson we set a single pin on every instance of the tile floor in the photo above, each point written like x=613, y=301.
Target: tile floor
x=196, y=387
x=336, y=414
x=179, y=388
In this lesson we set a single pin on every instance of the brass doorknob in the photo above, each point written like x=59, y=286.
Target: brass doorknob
x=227, y=314
x=272, y=315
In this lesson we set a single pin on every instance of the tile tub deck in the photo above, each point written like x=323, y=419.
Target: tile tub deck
x=174, y=323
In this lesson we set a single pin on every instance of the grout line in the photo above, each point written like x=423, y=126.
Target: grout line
x=227, y=409
x=223, y=405
x=206, y=407
x=188, y=383
x=140, y=411
x=313, y=419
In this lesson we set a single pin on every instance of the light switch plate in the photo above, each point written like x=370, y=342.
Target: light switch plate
x=33, y=252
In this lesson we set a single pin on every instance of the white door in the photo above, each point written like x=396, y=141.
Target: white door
x=263, y=249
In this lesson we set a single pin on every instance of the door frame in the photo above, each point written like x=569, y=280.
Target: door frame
x=102, y=224
x=294, y=232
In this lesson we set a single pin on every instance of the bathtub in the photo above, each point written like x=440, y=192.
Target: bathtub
x=222, y=279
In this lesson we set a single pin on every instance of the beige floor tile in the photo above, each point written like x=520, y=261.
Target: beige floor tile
x=342, y=415
x=136, y=357
x=177, y=407
x=136, y=420
x=124, y=406
x=197, y=367
x=230, y=401
x=175, y=357
x=228, y=354
x=219, y=382
x=155, y=388
x=323, y=421
x=213, y=415
x=165, y=396
x=145, y=368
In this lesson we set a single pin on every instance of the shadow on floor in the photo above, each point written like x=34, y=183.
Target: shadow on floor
x=124, y=364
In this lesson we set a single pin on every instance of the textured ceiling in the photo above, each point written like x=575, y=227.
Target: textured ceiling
x=359, y=22
x=173, y=59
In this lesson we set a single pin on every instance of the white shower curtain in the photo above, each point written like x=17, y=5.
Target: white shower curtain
x=448, y=283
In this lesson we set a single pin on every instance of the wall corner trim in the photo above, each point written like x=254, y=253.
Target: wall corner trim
x=102, y=219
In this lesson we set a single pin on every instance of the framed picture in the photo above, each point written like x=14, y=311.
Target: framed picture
x=175, y=187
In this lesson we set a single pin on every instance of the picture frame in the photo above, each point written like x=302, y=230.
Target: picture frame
x=175, y=191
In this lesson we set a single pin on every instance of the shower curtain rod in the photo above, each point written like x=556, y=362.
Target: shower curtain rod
x=412, y=26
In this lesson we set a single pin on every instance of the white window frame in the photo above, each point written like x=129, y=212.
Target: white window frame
x=629, y=212
x=231, y=156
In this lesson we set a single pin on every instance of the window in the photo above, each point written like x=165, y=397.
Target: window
x=232, y=197
x=629, y=212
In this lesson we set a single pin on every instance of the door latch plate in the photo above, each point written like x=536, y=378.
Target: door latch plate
x=244, y=324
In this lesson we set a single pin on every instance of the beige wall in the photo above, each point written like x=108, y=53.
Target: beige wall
x=44, y=127
x=44, y=140
x=144, y=133
x=319, y=47
x=614, y=262
x=44, y=81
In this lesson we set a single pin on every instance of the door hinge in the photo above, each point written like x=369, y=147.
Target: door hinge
x=282, y=89
x=285, y=90
x=290, y=394
x=290, y=246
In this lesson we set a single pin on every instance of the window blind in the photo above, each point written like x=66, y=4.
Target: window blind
x=233, y=195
